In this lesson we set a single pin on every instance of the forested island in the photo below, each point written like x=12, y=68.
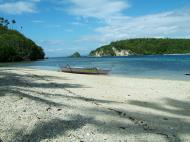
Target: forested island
x=144, y=46
x=14, y=46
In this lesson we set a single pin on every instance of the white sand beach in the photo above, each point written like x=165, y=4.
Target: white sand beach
x=51, y=106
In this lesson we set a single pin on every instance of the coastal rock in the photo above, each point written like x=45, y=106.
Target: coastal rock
x=75, y=55
x=121, y=52
x=112, y=52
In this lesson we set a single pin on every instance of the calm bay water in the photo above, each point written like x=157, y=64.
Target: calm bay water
x=159, y=66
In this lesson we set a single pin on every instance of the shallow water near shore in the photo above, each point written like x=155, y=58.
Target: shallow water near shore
x=172, y=67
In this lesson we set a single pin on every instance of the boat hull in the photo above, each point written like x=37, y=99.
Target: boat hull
x=94, y=71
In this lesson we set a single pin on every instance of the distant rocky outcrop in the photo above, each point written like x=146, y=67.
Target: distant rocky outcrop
x=75, y=55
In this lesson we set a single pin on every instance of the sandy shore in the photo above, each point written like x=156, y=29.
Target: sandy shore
x=49, y=106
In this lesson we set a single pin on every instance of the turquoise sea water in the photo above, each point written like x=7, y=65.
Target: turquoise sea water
x=157, y=66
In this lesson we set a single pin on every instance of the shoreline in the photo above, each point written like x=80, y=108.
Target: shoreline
x=110, y=75
x=165, y=68
x=40, y=105
x=139, y=55
x=152, y=78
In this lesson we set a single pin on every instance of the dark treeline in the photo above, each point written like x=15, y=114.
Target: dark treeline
x=146, y=46
x=16, y=47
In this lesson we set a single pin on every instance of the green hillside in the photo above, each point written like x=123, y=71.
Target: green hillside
x=145, y=46
x=16, y=47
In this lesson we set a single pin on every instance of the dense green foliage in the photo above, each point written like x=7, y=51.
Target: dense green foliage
x=75, y=55
x=146, y=46
x=16, y=47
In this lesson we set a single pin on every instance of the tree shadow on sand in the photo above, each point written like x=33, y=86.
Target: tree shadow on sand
x=177, y=107
x=28, y=80
x=16, y=87
x=12, y=84
x=125, y=121
x=176, y=125
x=51, y=129
x=170, y=128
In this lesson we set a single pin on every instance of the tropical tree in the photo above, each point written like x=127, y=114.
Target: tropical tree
x=14, y=46
x=4, y=22
x=13, y=22
x=1, y=21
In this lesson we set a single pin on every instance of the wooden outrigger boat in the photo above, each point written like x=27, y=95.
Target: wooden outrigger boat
x=81, y=70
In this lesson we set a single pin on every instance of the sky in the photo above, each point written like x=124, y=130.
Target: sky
x=62, y=27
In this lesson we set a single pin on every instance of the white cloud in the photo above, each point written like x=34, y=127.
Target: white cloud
x=117, y=25
x=18, y=7
x=168, y=24
x=38, y=21
x=69, y=30
x=55, y=42
x=53, y=26
x=97, y=8
x=35, y=0
x=76, y=23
